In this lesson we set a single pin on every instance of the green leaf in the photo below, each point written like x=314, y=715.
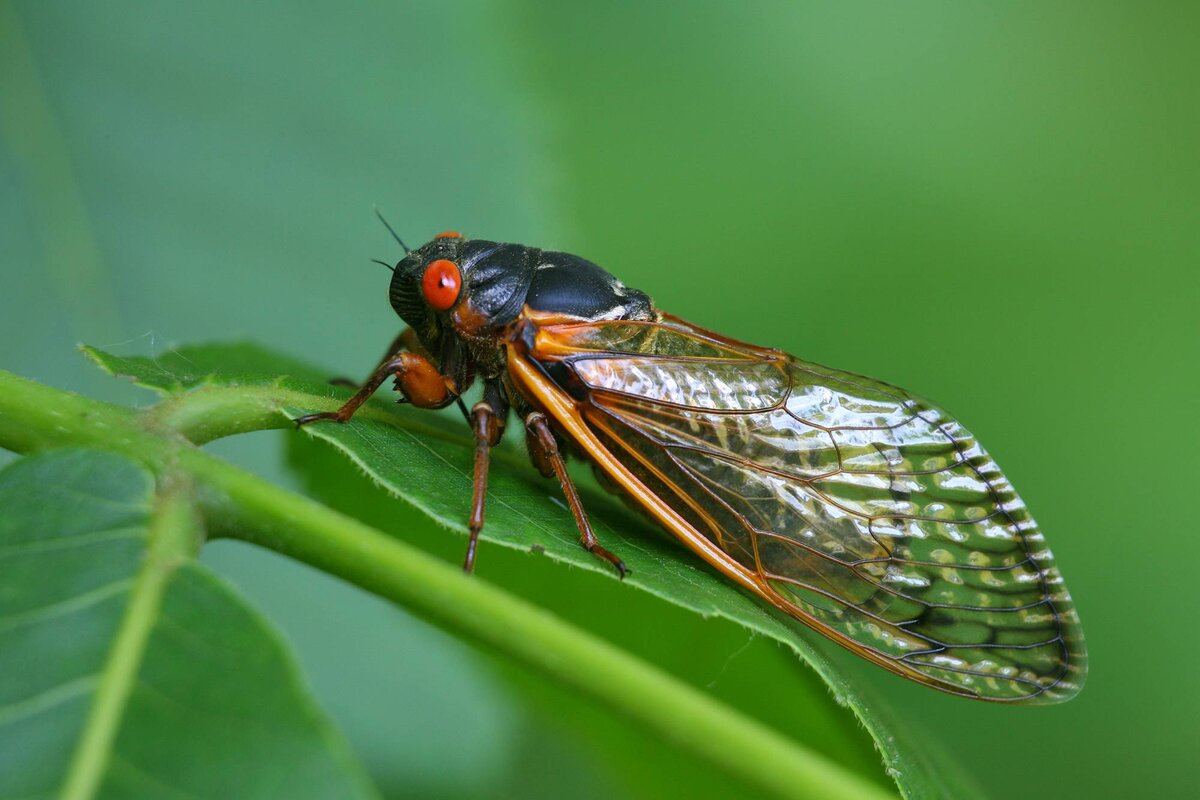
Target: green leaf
x=129, y=669
x=217, y=364
x=426, y=460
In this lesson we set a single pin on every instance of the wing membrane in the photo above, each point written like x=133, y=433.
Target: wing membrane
x=860, y=509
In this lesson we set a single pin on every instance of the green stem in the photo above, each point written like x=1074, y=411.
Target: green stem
x=207, y=413
x=237, y=503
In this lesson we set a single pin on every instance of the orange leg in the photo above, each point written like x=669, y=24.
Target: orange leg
x=485, y=424
x=544, y=449
x=537, y=454
x=417, y=379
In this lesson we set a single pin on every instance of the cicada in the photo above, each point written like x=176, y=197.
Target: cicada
x=860, y=509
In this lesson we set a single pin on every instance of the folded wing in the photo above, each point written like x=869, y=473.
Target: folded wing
x=862, y=510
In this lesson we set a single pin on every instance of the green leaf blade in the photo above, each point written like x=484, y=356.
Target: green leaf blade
x=218, y=363
x=255, y=734
x=54, y=634
x=128, y=690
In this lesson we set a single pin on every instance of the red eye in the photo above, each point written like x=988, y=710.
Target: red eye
x=441, y=284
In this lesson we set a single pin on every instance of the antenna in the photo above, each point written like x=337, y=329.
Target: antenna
x=392, y=231
x=384, y=264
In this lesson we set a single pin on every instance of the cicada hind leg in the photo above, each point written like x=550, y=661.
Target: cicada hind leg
x=548, y=459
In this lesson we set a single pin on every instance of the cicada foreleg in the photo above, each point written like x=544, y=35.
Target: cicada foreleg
x=421, y=383
x=544, y=451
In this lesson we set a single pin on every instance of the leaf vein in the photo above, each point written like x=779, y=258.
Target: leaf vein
x=78, y=602
x=69, y=542
x=46, y=700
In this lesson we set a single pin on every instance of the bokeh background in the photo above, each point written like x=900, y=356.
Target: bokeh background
x=996, y=205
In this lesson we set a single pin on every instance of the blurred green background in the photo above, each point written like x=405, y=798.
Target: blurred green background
x=995, y=205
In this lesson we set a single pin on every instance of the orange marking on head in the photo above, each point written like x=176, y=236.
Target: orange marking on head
x=468, y=319
x=449, y=235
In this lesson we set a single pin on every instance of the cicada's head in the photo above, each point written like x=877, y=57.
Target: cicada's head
x=454, y=289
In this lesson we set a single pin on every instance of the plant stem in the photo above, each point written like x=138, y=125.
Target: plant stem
x=207, y=413
x=237, y=503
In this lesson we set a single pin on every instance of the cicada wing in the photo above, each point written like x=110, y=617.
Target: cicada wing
x=859, y=508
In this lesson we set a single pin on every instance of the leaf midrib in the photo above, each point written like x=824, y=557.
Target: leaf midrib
x=172, y=540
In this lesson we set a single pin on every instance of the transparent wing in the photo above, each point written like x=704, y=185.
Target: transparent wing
x=863, y=510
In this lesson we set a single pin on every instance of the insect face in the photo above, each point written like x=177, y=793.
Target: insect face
x=462, y=288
